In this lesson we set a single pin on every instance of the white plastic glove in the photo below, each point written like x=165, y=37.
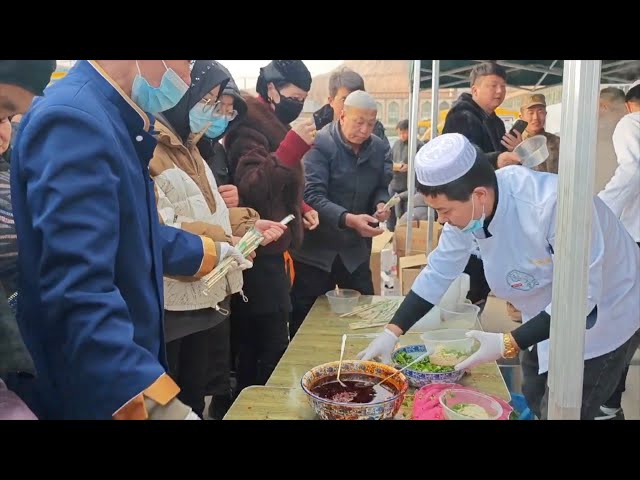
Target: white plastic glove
x=227, y=250
x=491, y=349
x=381, y=347
x=192, y=416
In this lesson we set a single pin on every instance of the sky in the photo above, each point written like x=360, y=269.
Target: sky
x=251, y=68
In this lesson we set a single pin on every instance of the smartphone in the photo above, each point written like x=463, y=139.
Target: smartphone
x=520, y=125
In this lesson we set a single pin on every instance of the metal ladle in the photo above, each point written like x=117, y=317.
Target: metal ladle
x=344, y=341
x=403, y=368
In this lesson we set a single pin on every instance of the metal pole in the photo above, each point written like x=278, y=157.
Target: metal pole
x=578, y=130
x=413, y=144
x=435, y=112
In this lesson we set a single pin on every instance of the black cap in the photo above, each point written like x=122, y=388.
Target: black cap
x=32, y=75
x=292, y=71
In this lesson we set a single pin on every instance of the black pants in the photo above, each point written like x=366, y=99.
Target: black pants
x=188, y=366
x=478, y=287
x=262, y=339
x=312, y=282
x=219, y=369
x=615, y=401
x=601, y=375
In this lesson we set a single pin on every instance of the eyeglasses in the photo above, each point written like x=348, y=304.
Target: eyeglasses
x=209, y=105
x=215, y=108
x=229, y=115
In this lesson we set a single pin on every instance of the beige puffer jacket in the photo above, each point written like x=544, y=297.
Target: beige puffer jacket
x=188, y=198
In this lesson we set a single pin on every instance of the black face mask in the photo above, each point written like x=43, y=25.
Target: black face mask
x=288, y=109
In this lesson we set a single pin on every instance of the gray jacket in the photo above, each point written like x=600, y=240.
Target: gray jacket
x=400, y=154
x=338, y=181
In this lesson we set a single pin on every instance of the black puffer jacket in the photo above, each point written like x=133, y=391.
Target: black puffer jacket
x=485, y=131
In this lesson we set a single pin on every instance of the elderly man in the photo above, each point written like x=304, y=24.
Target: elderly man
x=347, y=174
x=92, y=253
x=534, y=111
x=341, y=83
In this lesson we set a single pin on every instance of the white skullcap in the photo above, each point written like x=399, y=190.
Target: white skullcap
x=360, y=99
x=635, y=84
x=444, y=159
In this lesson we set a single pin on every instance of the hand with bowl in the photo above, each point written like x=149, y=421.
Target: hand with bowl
x=493, y=346
x=508, y=158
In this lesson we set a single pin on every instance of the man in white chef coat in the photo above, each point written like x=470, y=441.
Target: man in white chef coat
x=622, y=196
x=512, y=215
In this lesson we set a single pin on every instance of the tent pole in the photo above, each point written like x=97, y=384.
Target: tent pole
x=578, y=130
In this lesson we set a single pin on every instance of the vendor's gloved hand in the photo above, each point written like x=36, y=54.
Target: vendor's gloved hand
x=491, y=349
x=381, y=347
x=226, y=250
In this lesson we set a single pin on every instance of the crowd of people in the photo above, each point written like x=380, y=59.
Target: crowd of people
x=127, y=182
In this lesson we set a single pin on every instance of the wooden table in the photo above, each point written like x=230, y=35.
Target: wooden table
x=318, y=341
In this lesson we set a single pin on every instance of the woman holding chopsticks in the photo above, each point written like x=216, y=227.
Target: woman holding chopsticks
x=188, y=198
x=265, y=157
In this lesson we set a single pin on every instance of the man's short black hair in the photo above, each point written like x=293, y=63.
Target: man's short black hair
x=633, y=95
x=403, y=125
x=486, y=69
x=481, y=174
x=347, y=78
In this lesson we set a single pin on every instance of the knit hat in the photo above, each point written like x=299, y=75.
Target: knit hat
x=32, y=75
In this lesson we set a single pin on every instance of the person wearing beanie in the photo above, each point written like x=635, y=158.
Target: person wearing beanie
x=20, y=81
x=338, y=252
x=265, y=156
x=511, y=213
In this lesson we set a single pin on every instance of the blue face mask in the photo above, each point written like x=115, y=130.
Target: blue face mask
x=220, y=124
x=474, y=225
x=154, y=100
x=198, y=120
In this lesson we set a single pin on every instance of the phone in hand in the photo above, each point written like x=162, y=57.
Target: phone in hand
x=520, y=125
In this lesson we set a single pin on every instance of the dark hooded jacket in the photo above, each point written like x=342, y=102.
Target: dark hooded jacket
x=213, y=152
x=485, y=131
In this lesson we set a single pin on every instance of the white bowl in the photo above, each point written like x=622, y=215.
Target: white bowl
x=448, y=340
x=533, y=151
x=343, y=301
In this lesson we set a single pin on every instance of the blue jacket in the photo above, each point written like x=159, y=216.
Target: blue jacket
x=91, y=250
x=338, y=181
